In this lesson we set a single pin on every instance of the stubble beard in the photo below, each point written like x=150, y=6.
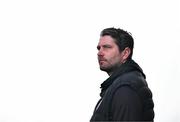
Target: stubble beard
x=109, y=69
x=106, y=69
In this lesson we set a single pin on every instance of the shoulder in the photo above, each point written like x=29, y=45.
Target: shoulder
x=125, y=95
x=133, y=79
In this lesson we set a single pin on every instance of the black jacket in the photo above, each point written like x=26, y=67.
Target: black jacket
x=125, y=96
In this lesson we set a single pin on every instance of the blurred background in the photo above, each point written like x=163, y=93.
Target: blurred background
x=48, y=56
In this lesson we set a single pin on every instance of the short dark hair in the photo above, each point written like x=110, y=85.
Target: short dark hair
x=122, y=38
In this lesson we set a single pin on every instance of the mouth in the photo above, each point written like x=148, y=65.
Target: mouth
x=101, y=62
x=101, y=59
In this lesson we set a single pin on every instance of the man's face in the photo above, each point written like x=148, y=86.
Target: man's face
x=109, y=56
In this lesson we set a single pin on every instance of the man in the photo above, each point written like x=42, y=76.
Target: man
x=125, y=95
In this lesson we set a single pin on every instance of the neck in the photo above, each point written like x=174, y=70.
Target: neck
x=110, y=72
x=113, y=69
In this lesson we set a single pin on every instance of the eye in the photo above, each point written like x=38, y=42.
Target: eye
x=107, y=46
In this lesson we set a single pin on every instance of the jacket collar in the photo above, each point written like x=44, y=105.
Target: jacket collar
x=128, y=66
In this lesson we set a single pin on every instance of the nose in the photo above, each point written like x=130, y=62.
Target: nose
x=100, y=52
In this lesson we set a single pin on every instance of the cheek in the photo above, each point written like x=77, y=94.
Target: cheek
x=113, y=59
x=116, y=58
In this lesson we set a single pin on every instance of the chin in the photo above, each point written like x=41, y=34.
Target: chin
x=104, y=69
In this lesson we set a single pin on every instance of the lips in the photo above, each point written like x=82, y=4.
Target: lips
x=101, y=60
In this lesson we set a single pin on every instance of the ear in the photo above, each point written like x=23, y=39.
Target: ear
x=125, y=54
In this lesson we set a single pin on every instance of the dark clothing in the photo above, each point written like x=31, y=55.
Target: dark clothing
x=125, y=96
x=129, y=107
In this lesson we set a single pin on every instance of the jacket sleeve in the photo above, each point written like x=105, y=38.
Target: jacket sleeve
x=126, y=105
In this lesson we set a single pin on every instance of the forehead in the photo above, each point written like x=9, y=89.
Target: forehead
x=106, y=40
